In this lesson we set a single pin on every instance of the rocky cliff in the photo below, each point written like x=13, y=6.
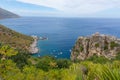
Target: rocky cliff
x=96, y=44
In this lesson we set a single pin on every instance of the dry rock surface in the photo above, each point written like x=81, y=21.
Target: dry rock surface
x=33, y=47
x=96, y=44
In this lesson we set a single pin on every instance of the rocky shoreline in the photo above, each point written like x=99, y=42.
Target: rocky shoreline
x=33, y=49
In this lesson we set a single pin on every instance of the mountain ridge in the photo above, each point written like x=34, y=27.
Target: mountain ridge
x=7, y=14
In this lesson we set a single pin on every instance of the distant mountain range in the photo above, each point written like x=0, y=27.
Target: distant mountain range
x=7, y=14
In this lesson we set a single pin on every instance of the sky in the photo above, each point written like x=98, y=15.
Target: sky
x=64, y=8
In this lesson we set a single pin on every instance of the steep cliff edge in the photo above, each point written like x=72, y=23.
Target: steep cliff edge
x=96, y=44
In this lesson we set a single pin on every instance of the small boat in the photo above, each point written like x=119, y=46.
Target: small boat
x=43, y=38
x=38, y=55
x=55, y=56
x=61, y=53
x=53, y=50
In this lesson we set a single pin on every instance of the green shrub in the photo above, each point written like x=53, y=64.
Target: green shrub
x=96, y=59
x=106, y=47
x=81, y=48
x=63, y=63
x=118, y=56
x=45, y=63
x=97, y=45
x=7, y=51
x=21, y=59
x=113, y=44
x=77, y=51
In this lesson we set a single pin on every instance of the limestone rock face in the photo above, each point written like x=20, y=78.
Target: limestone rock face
x=96, y=44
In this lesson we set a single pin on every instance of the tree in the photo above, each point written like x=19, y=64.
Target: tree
x=6, y=51
x=47, y=62
x=63, y=63
x=9, y=71
x=21, y=59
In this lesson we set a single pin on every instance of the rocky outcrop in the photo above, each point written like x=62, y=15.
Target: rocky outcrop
x=96, y=44
x=33, y=49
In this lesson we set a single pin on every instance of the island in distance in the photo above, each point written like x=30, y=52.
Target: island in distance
x=4, y=14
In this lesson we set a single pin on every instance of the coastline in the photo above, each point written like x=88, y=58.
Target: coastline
x=33, y=49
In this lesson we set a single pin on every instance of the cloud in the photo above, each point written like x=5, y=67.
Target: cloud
x=77, y=6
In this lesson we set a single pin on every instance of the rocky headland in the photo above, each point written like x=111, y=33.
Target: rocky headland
x=33, y=47
x=96, y=44
x=15, y=39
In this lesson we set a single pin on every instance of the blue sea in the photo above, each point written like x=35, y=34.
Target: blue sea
x=61, y=32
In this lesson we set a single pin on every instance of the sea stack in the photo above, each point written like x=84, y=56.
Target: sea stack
x=96, y=44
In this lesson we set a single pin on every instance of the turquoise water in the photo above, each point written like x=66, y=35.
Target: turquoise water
x=61, y=32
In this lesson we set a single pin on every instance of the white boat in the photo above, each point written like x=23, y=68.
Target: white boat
x=55, y=56
x=43, y=38
x=38, y=55
x=70, y=50
x=53, y=50
x=61, y=53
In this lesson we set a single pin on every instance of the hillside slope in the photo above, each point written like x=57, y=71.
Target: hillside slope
x=7, y=14
x=14, y=39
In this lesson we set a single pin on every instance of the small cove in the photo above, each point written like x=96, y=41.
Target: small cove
x=61, y=32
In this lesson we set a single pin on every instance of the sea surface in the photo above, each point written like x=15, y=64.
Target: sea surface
x=61, y=32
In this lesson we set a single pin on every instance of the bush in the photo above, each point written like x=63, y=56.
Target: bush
x=63, y=63
x=96, y=59
x=21, y=59
x=97, y=45
x=81, y=48
x=113, y=44
x=106, y=47
x=118, y=56
x=45, y=63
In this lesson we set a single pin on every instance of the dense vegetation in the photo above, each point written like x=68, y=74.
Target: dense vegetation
x=15, y=65
x=14, y=39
